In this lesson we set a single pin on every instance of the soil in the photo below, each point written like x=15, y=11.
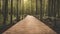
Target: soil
x=30, y=25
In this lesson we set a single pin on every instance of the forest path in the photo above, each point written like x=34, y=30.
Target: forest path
x=30, y=25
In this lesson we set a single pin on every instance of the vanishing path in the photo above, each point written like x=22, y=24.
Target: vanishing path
x=30, y=25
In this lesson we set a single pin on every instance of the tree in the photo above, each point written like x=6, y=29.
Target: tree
x=0, y=7
x=41, y=15
x=5, y=11
x=11, y=12
x=36, y=7
x=17, y=12
x=58, y=8
x=49, y=6
x=54, y=11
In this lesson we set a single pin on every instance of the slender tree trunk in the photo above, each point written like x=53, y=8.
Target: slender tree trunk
x=31, y=7
x=22, y=7
x=49, y=8
x=17, y=12
x=41, y=15
x=54, y=3
x=58, y=7
x=36, y=7
x=52, y=8
x=5, y=11
x=0, y=7
x=11, y=11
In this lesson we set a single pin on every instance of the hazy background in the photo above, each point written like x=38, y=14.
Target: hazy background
x=12, y=11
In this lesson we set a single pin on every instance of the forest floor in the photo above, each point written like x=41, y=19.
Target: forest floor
x=30, y=25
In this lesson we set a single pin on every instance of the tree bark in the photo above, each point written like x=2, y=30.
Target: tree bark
x=41, y=15
x=11, y=12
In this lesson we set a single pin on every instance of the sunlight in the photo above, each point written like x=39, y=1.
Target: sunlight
x=25, y=1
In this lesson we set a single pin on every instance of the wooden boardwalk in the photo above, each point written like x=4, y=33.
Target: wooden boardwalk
x=30, y=25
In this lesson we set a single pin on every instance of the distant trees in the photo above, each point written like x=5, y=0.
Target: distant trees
x=36, y=7
x=17, y=9
x=53, y=8
x=11, y=12
x=41, y=9
x=22, y=9
x=5, y=11
x=49, y=2
x=17, y=12
x=0, y=7
x=58, y=8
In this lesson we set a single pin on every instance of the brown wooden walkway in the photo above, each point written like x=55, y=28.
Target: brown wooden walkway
x=30, y=25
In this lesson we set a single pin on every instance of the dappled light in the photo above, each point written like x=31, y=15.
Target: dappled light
x=25, y=1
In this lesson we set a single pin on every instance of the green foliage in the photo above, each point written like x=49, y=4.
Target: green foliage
x=31, y=7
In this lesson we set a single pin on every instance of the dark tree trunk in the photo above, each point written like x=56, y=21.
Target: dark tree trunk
x=17, y=12
x=54, y=12
x=0, y=7
x=58, y=8
x=52, y=8
x=22, y=7
x=5, y=11
x=41, y=15
x=31, y=6
x=36, y=7
x=49, y=8
x=11, y=12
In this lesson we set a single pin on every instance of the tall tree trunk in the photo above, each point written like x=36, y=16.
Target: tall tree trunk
x=41, y=15
x=0, y=7
x=58, y=7
x=49, y=8
x=5, y=11
x=36, y=7
x=11, y=11
x=22, y=3
x=17, y=12
x=31, y=7
x=52, y=8
x=54, y=5
x=6, y=8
